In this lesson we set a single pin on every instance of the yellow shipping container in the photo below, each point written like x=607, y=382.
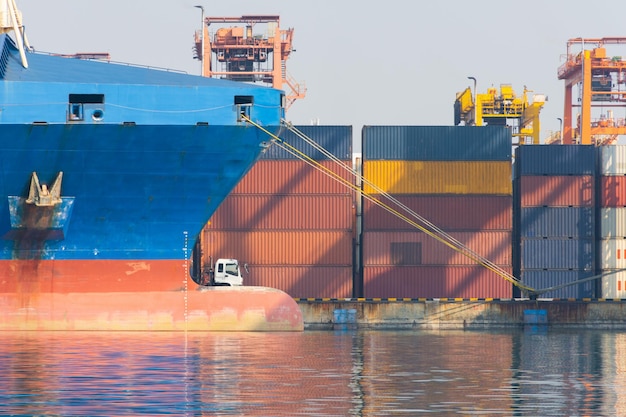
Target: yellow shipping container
x=439, y=177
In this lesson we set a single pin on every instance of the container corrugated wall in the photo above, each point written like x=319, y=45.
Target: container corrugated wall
x=418, y=248
x=612, y=219
x=553, y=278
x=436, y=177
x=554, y=253
x=567, y=222
x=298, y=211
x=456, y=178
x=613, y=222
x=281, y=247
x=292, y=224
x=436, y=143
x=331, y=138
x=612, y=160
x=304, y=280
x=557, y=191
x=434, y=282
x=449, y=212
x=285, y=176
x=613, y=191
x=554, y=218
x=555, y=160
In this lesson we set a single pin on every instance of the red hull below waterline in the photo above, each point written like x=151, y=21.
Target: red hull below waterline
x=135, y=296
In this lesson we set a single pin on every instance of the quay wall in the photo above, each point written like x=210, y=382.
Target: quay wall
x=454, y=314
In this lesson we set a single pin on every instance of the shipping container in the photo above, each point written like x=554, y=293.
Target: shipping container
x=555, y=160
x=612, y=222
x=279, y=247
x=612, y=253
x=555, y=253
x=612, y=191
x=295, y=177
x=434, y=282
x=612, y=160
x=450, y=213
x=297, y=211
x=337, y=140
x=556, y=191
x=436, y=143
x=418, y=248
x=436, y=177
x=613, y=284
x=544, y=279
x=303, y=281
x=540, y=222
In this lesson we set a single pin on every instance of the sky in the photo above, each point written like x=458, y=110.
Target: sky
x=364, y=62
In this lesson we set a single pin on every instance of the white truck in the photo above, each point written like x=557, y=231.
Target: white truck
x=225, y=272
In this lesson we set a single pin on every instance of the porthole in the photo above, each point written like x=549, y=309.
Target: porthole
x=97, y=115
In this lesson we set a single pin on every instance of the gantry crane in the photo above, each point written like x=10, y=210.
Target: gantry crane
x=602, y=86
x=236, y=53
x=504, y=109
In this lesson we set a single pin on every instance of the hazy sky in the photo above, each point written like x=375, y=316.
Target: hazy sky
x=393, y=62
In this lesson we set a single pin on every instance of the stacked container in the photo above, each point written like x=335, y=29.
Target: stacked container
x=292, y=224
x=554, y=187
x=612, y=224
x=458, y=178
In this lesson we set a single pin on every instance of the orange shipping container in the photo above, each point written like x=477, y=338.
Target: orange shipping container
x=613, y=191
x=279, y=247
x=299, y=211
x=418, y=248
x=467, y=212
x=434, y=282
x=556, y=191
x=293, y=177
x=303, y=281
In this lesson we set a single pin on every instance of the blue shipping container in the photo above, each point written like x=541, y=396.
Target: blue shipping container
x=436, y=143
x=576, y=254
x=554, y=160
x=575, y=222
x=541, y=279
x=335, y=139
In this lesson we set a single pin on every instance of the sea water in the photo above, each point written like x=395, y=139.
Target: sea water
x=536, y=371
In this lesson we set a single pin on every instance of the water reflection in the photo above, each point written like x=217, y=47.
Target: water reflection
x=518, y=373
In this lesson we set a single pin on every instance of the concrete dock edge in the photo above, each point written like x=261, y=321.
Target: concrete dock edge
x=403, y=313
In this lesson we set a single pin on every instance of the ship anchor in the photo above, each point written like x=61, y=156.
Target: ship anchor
x=40, y=195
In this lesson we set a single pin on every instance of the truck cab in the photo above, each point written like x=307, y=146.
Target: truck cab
x=226, y=272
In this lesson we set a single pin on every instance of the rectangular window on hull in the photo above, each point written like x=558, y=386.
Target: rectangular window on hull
x=243, y=104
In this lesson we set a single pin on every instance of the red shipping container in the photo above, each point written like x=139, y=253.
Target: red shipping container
x=557, y=190
x=279, y=247
x=467, y=212
x=613, y=191
x=299, y=211
x=294, y=177
x=303, y=281
x=434, y=282
x=418, y=248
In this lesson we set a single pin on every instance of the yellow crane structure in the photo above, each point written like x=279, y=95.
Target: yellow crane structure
x=501, y=108
x=601, y=81
x=237, y=53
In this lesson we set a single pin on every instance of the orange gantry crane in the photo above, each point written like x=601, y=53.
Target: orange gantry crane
x=602, y=86
x=238, y=54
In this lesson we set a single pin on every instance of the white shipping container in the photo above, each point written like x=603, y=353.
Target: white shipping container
x=614, y=285
x=612, y=222
x=612, y=253
x=612, y=160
